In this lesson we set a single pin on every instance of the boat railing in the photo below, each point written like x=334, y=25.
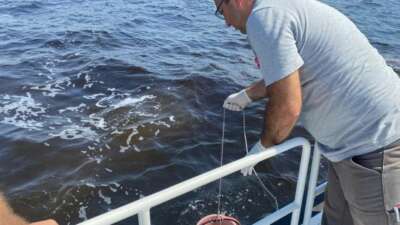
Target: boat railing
x=143, y=206
x=312, y=191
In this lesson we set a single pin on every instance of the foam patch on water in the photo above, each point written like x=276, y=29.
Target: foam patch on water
x=133, y=133
x=94, y=96
x=73, y=109
x=161, y=123
x=108, y=101
x=123, y=149
x=132, y=101
x=90, y=185
x=88, y=82
x=22, y=111
x=145, y=114
x=53, y=88
x=96, y=121
x=105, y=101
x=105, y=199
x=82, y=212
x=76, y=132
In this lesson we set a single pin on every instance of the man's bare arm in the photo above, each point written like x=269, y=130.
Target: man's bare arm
x=282, y=110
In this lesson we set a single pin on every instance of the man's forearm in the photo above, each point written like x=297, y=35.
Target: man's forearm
x=282, y=110
x=257, y=90
x=278, y=124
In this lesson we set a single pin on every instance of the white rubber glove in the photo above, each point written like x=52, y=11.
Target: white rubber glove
x=237, y=101
x=258, y=147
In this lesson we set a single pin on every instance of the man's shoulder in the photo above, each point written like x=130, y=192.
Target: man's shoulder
x=287, y=5
x=269, y=11
x=271, y=4
x=269, y=14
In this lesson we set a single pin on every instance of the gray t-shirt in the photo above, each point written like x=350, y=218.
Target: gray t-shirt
x=351, y=98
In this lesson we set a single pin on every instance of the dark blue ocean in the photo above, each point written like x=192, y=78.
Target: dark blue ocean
x=104, y=102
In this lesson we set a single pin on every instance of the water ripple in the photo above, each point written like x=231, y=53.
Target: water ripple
x=104, y=102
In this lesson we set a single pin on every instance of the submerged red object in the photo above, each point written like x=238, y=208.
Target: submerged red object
x=215, y=219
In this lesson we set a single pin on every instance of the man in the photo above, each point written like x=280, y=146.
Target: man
x=317, y=67
x=7, y=216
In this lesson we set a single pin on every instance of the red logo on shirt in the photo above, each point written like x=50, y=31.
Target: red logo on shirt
x=257, y=62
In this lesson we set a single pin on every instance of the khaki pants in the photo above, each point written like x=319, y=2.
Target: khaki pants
x=364, y=190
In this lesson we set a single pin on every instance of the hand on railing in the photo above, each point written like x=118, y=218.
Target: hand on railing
x=258, y=147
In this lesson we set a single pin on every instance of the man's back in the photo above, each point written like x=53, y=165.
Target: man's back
x=351, y=98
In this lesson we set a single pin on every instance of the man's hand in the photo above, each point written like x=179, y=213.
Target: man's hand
x=45, y=222
x=7, y=216
x=237, y=101
x=258, y=147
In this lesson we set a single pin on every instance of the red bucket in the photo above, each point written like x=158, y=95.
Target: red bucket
x=215, y=219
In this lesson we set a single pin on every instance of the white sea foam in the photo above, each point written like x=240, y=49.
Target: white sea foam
x=53, y=88
x=82, y=212
x=90, y=185
x=116, y=184
x=98, y=159
x=112, y=189
x=145, y=114
x=133, y=133
x=106, y=199
x=162, y=123
x=94, y=96
x=117, y=132
x=47, y=90
x=123, y=148
x=22, y=111
x=88, y=83
x=73, y=108
x=136, y=148
x=96, y=121
x=132, y=101
x=104, y=102
x=76, y=132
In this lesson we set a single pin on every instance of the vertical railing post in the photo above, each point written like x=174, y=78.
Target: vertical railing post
x=302, y=176
x=144, y=217
x=312, y=184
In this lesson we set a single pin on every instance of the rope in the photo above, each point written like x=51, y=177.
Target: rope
x=255, y=172
x=247, y=151
x=221, y=162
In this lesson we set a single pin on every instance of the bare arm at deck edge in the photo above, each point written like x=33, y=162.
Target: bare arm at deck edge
x=282, y=110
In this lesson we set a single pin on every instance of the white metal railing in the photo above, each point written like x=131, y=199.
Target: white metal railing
x=143, y=206
x=313, y=190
